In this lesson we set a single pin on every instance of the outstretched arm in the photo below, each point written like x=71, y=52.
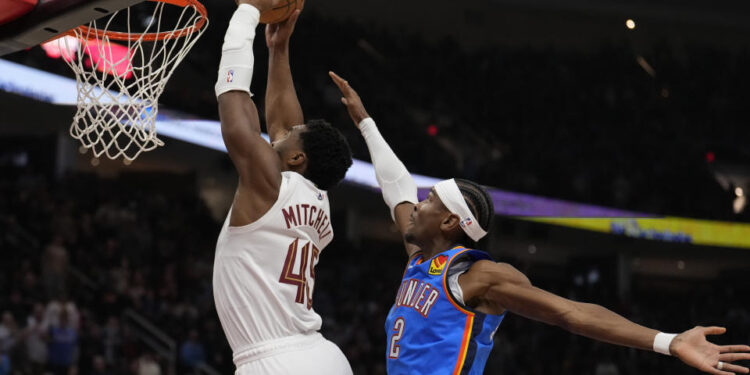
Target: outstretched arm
x=399, y=189
x=257, y=164
x=282, y=106
x=496, y=287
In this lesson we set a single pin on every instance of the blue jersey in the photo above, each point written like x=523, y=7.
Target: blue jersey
x=428, y=331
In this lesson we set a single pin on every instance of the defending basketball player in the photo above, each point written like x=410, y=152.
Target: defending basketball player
x=279, y=222
x=452, y=299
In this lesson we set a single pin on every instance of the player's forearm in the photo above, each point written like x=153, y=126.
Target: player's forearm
x=602, y=324
x=394, y=179
x=235, y=74
x=283, y=110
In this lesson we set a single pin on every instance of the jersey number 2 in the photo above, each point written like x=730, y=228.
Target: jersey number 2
x=398, y=331
x=289, y=276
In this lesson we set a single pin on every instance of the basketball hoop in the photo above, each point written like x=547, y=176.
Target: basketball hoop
x=118, y=88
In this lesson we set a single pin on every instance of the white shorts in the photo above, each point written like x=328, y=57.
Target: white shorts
x=302, y=354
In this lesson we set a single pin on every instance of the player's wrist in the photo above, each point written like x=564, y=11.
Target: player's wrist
x=364, y=123
x=279, y=49
x=663, y=343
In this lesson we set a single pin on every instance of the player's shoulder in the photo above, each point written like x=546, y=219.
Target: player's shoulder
x=490, y=270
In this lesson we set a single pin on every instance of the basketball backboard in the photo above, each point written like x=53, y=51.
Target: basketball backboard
x=26, y=23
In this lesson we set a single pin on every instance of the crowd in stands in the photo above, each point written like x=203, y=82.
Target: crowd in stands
x=80, y=253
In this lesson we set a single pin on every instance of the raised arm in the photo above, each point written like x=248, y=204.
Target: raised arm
x=283, y=110
x=257, y=164
x=399, y=189
x=497, y=287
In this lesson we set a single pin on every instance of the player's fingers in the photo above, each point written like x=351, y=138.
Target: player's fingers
x=715, y=371
x=734, y=348
x=343, y=100
x=714, y=330
x=731, y=357
x=295, y=16
x=737, y=369
x=341, y=83
x=289, y=22
x=335, y=77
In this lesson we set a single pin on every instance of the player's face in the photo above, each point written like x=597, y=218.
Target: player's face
x=425, y=220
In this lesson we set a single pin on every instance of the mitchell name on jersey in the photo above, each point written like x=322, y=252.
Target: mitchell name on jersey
x=309, y=215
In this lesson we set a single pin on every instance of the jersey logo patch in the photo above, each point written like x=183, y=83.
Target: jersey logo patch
x=438, y=264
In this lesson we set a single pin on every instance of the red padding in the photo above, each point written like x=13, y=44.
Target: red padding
x=12, y=9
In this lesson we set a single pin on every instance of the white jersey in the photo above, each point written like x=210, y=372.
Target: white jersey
x=264, y=272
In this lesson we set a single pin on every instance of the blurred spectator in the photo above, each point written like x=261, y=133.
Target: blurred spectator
x=63, y=341
x=147, y=365
x=192, y=353
x=99, y=366
x=55, y=267
x=8, y=332
x=57, y=306
x=4, y=363
x=36, y=346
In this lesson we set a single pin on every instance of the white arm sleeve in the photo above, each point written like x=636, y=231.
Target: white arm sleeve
x=392, y=176
x=236, y=66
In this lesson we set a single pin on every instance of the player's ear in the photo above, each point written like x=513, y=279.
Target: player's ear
x=297, y=158
x=449, y=223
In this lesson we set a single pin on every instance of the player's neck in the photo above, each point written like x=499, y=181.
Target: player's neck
x=436, y=246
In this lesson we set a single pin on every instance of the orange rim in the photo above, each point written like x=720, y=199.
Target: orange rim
x=150, y=37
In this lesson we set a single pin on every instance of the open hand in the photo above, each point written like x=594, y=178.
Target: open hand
x=692, y=348
x=278, y=34
x=351, y=99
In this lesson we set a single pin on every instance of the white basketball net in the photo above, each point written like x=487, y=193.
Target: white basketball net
x=118, y=95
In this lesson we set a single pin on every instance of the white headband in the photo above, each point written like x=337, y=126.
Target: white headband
x=454, y=201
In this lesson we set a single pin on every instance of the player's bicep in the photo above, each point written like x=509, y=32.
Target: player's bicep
x=257, y=164
x=402, y=214
x=504, y=286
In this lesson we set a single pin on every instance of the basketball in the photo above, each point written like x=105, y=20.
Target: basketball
x=281, y=12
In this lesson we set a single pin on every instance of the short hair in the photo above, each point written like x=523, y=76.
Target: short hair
x=328, y=154
x=480, y=203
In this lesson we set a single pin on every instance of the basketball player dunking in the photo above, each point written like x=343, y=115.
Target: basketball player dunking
x=279, y=221
x=452, y=298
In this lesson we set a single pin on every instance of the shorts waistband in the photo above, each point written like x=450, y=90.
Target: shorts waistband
x=273, y=347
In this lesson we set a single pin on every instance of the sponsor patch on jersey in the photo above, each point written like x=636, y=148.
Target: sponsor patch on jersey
x=438, y=264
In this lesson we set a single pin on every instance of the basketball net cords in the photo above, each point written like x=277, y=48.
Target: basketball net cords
x=129, y=111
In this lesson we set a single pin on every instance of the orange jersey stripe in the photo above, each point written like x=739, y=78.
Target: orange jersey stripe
x=464, y=345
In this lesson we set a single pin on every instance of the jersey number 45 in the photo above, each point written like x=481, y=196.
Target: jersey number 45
x=289, y=276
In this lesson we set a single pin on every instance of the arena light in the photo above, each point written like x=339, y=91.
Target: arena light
x=630, y=24
x=432, y=130
x=99, y=54
x=710, y=157
x=103, y=53
x=739, y=192
x=65, y=48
